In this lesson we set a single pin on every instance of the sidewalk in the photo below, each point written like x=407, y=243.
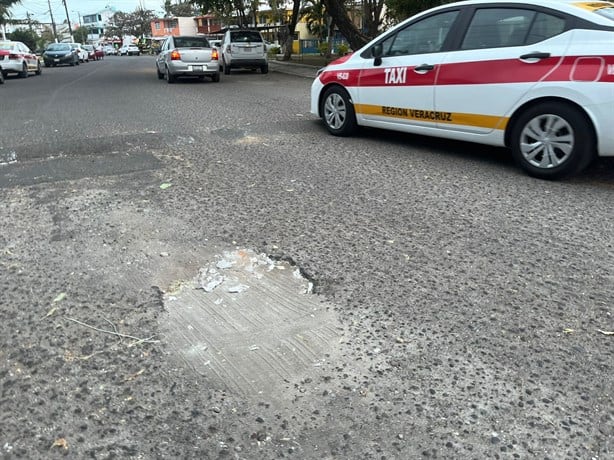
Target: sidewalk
x=293, y=68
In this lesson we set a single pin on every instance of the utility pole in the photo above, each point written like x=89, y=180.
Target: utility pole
x=29, y=21
x=72, y=39
x=55, y=32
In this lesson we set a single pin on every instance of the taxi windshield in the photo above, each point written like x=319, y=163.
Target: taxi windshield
x=605, y=9
x=607, y=12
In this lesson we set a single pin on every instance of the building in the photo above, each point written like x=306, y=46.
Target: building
x=163, y=27
x=97, y=23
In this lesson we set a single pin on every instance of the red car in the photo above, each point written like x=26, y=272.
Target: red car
x=99, y=53
x=91, y=52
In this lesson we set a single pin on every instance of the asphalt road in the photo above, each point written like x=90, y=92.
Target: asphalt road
x=199, y=270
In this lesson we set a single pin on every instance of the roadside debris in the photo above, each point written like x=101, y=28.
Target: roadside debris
x=60, y=442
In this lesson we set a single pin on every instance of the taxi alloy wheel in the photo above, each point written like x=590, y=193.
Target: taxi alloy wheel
x=552, y=140
x=337, y=112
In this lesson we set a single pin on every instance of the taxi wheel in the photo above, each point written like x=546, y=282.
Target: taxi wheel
x=1, y=77
x=337, y=112
x=39, y=69
x=24, y=71
x=552, y=140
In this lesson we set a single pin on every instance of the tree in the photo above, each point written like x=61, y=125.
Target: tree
x=339, y=13
x=398, y=10
x=181, y=9
x=26, y=36
x=5, y=14
x=80, y=34
x=137, y=23
x=46, y=37
x=316, y=17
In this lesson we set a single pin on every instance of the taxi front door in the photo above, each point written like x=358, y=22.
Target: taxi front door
x=396, y=87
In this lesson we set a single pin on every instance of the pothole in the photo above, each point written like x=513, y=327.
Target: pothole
x=249, y=324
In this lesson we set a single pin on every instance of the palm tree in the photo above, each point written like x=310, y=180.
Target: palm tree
x=5, y=14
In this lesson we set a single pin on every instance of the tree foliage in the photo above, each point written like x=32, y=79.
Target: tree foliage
x=80, y=34
x=398, y=10
x=5, y=14
x=137, y=23
x=26, y=36
x=181, y=9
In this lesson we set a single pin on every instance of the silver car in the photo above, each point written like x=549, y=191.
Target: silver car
x=187, y=56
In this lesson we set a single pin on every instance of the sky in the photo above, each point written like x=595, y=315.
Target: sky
x=39, y=9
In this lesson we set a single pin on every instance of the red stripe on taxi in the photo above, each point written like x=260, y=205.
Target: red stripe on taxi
x=594, y=68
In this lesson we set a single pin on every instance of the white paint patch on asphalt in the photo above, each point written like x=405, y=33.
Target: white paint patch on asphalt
x=249, y=324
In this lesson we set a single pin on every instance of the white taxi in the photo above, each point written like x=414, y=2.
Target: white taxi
x=536, y=76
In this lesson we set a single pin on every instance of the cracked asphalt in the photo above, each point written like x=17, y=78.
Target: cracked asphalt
x=470, y=305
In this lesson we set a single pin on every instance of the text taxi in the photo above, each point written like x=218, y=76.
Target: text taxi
x=535, y=76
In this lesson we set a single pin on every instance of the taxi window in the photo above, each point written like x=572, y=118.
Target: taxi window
x=499, y=27
x=425, y=36
x=545, y=26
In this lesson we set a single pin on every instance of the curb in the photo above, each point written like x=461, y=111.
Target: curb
x=291, y=68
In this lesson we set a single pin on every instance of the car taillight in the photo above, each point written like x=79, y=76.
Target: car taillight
x=14, y=56
x=214, y=55
x=175, y=56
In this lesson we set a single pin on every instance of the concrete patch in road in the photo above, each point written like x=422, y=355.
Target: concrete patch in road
x=249, y=324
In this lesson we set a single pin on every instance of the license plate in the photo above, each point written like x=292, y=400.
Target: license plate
x=247, y=50
x=56, y=60
x=197, y=68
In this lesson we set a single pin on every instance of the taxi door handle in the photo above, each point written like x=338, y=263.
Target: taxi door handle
x=424, y=68
x=535, y=55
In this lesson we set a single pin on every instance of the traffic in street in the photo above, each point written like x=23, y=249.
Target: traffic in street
x=200, y=270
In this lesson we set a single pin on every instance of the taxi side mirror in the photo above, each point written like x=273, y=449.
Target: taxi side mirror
x=377, y=52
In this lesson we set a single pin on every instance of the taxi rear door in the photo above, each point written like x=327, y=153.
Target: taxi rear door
x=396, y=85
x=503, y=54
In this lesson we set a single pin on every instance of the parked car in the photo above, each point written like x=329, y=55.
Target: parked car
x=16, y=57
x=91, y=52
x=191, y=56
x=110, y=50
x=81, y=52
x=243, y=48
x=535, y=76
x=129, y=50
x=60, y=53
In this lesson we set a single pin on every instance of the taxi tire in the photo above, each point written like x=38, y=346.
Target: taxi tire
x=39, y=69
x=264, y=69
x=337, y=102
x=160, y=74
x=216, y=77
x=226, y=69
x=582, y=148
x=1, y=77
x=24, y=71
